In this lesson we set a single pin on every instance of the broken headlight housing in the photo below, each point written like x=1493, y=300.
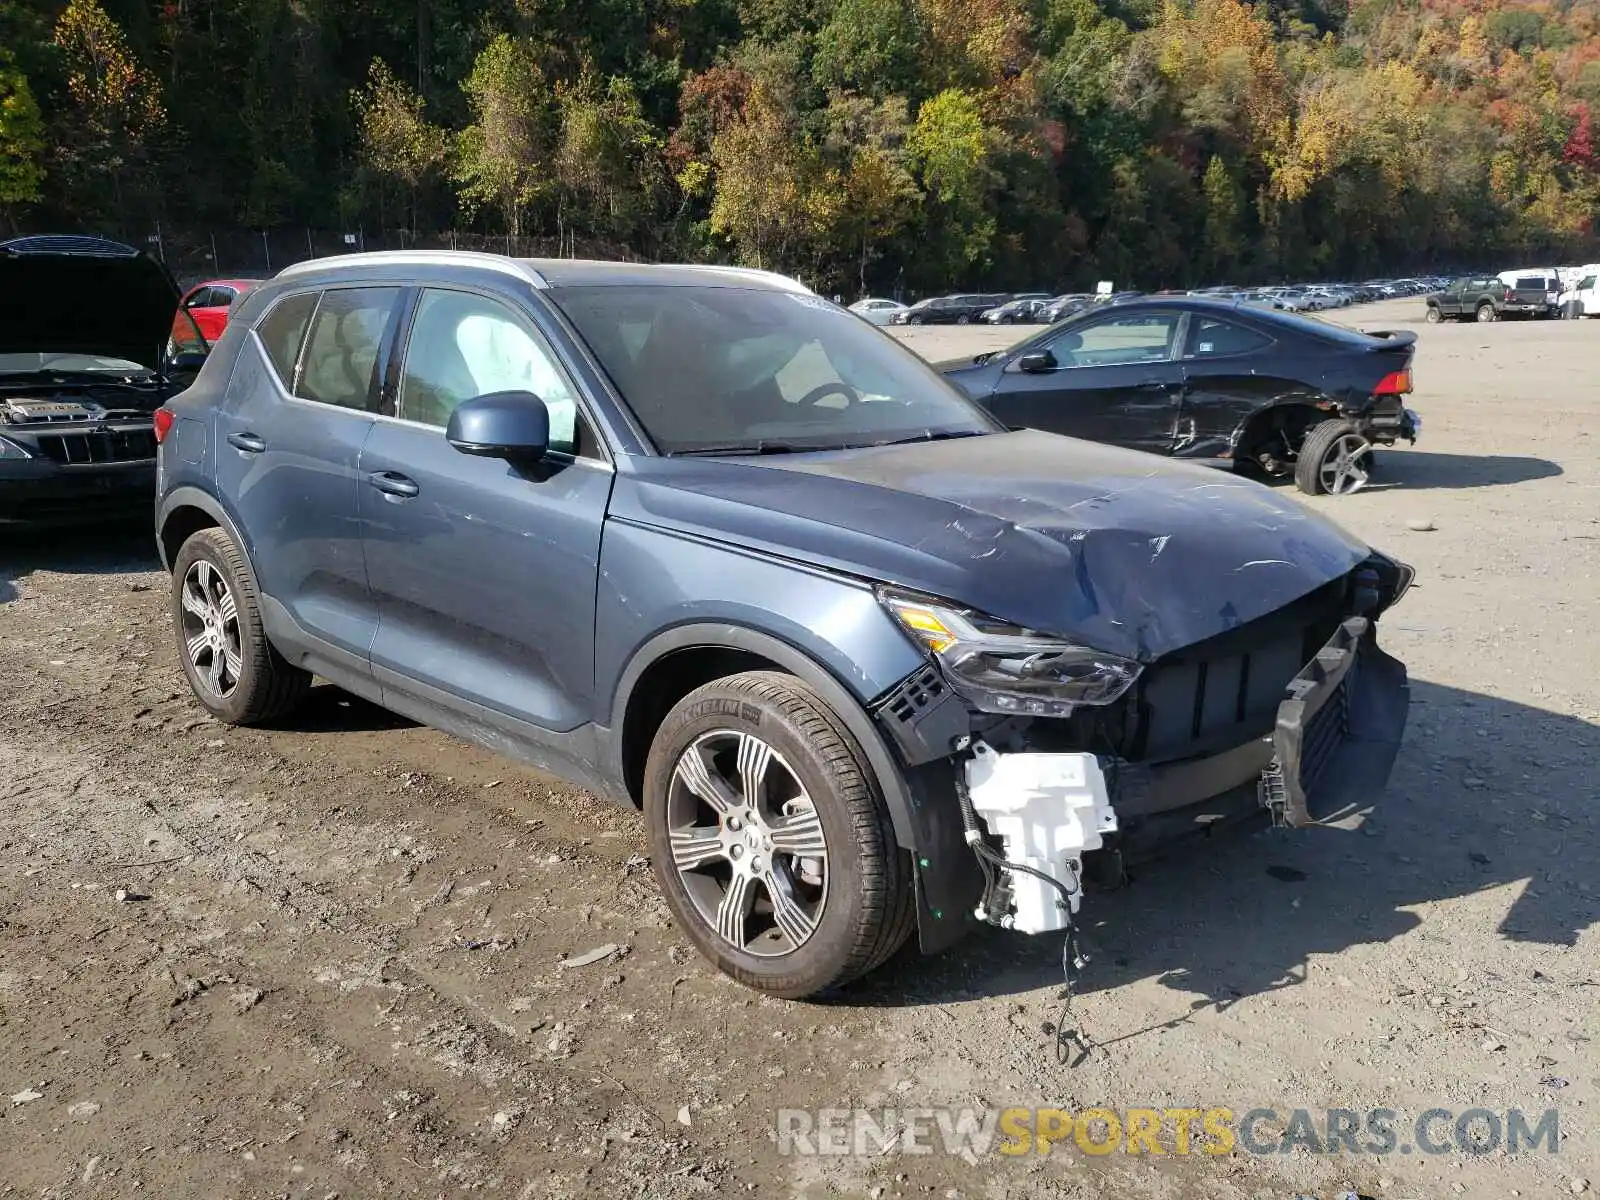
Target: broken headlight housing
x=1002, y=668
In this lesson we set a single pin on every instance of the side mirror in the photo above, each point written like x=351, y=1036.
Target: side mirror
x=511, y=425
x=1037, y=362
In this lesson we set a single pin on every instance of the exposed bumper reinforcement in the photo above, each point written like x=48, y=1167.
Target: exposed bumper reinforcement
x=1338, y=730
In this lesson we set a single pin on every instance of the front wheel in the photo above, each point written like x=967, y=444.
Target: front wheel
x=1335, y=459
x=1434, y=316
x=769, y=840
x=963, y=319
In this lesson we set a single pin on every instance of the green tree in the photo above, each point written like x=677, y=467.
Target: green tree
x=113, y=105
x=950, y=145
x=609, y=161
x=881, y=195
x=503, y=156
x=1223, y=205
x=870, y=46
x=764, y=175
x=21, y=139
x=398, y=143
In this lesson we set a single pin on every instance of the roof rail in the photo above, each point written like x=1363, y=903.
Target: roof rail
x=417, y=258
x=787, y=282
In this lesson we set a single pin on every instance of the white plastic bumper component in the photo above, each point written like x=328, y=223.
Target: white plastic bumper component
x=1047, y=809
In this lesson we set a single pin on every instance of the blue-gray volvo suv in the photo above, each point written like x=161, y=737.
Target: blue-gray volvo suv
x=699, y=540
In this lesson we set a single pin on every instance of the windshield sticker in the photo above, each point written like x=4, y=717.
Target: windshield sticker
x=812, y=301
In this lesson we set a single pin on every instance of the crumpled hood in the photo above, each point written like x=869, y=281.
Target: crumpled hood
x=1127, y=552
x=120, y=306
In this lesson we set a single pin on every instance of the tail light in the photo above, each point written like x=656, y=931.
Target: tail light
x=1507, y=296
x=1395, y=383
x=163, y=423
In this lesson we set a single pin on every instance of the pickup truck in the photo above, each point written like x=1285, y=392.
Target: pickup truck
x=1489, y=298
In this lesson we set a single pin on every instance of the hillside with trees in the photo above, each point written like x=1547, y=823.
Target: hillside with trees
x=863, y=143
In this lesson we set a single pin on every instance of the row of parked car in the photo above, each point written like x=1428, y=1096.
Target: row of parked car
x=992, y=308
x=1045, y=308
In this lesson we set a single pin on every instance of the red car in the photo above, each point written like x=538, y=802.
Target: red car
x=209, y=303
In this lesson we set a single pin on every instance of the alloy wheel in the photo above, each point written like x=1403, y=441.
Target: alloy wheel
x=211, y=629
x=1344, y=468
x=747, y=843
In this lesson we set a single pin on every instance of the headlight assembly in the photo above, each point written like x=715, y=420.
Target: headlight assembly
x=1001, y=668
x=11, y=452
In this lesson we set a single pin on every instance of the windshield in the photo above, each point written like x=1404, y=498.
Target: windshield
x=745, y=370
x=69, y=363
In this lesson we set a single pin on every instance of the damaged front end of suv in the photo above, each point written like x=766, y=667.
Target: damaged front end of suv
x=1038, y=760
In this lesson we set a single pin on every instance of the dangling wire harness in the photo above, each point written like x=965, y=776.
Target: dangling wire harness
x=992, y=908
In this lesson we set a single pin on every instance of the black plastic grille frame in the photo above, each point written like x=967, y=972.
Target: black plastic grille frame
x=106, y=446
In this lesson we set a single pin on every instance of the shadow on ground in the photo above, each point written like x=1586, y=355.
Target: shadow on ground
x=1487, y=793
x=1426, y=468
x=329, y=709
x=104, y=549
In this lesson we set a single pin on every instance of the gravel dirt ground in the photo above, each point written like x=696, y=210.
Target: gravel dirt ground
x=327, y=958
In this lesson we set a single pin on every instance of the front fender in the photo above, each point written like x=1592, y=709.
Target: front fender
x=654, y=580
x=662, y=592
x=921, y=801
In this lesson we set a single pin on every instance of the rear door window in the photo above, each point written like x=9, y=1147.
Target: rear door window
x=341, y=354
x=1212, y=338
x=281, y=332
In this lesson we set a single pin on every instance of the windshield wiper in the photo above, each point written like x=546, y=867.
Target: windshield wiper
x=934, y=435
x=738, y=448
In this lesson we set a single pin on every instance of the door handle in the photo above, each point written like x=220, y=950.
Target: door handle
x=248, y=442
x=392, y=483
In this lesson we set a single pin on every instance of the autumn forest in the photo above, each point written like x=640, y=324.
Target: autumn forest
x=866, y=144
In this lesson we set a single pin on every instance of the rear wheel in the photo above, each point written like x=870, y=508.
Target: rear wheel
x=1486, y=312
x=963, y=319
x=1334, y=460
x=231, y=667
x=770, y=843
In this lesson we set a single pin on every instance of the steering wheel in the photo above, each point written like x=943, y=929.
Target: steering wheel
x=836, y=388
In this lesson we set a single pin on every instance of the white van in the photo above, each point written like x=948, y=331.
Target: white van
x=1581, y=298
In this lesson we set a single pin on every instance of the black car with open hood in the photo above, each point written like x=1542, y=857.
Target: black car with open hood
x=88, y=353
